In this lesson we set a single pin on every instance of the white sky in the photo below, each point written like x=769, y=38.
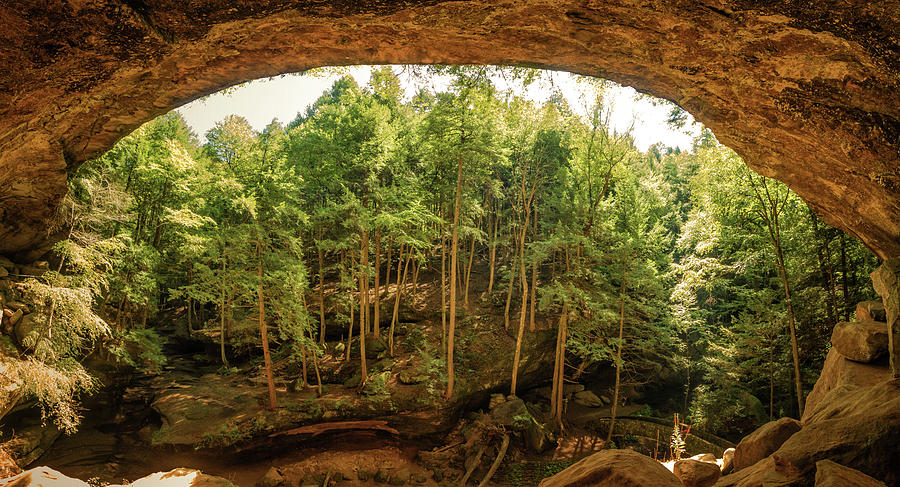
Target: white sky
x=283, y=97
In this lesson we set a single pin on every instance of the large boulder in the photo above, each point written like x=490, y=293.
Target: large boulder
x=181, y=477
x=886, y=281
x=614, y=468
x=840, y=377
x=43, y=477
x=858, y=430
x=511, y=413
x=770, y=472
x=696, y=473
x=762, y=442
x=830, y=474
x=870, y=311
x=863, y=341
x=588, y=399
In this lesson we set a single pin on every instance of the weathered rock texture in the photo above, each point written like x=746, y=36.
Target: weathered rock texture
x=696, y=473
x=808, y=92
x=830, y=474
x=841, y=377
x=886, y=280
x=854, y=421
x=762, y=442
x=863, y=341
x=614, y=468
x=870, y=311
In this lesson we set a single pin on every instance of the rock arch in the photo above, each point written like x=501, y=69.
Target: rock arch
x=808, y=93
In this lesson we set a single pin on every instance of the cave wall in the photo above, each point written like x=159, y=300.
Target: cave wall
x=805, y=92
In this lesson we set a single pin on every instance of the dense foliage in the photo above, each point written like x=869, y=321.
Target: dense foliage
x=663, y=264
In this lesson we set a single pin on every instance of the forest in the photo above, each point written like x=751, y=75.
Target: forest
x=680, y=273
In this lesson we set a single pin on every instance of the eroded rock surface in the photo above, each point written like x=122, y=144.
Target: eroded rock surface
x=762, y=442
x=614, y=468
x=864, y=341
x=806, y=92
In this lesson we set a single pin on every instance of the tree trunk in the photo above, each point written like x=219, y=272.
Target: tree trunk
x=846, y=310
x=443, y=295
x=321, y=296
x=401, y=280
x=454, y=247
x=512, y=279
x=534, y=275
x=376, y=312
x=363, y=302
x=615, y=403
x=469, y=273
x=524, y=278
x=222, y=313
x=823, y=270
x=263, y=332
x=493, y=258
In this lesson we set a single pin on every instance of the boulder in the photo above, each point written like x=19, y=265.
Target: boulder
x=614, y=468
x=728, y=461
x=400, y=477
x=696, y=473
x=863, y=341
x=3, y=272
x=31, y=442
x=25, y=327
x=374, y=346
x=572, y=389
x=272, y=478
x=840, y=377
x=830, y=474
x=7, y=264
x=704, y=457
x=588, y=399
x=770, y=472
x=410, y=376
x=511, y=413
x=43, y=477
x=538, y=438
x=858, y=429
x=762, y=442
x=496, y=400
x=870, y=311
x=181, y=477
x=886, y=281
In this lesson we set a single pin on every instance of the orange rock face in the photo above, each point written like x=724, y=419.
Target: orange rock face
x=807, y=92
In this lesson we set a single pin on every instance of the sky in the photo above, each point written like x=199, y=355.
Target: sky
x=282, y=97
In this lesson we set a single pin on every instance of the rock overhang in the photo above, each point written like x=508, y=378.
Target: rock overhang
x=806, y=93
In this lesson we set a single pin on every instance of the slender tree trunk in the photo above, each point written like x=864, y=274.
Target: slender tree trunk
x=363, y=302
x=534, y=275
x=443, y=295
x=454, y=266
x=771, y=384
x=377, y=308
x=469, y=273
x=793, y=328
x=321, y=296
x=263, y=332
x=556, y=400
x=512, y=279
x=385, y=289
x=401, y=280
x=222, y=313
x=615, y=403
x=844, y=270
x=493, y=258
x=524, y=278
x=823, y=271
